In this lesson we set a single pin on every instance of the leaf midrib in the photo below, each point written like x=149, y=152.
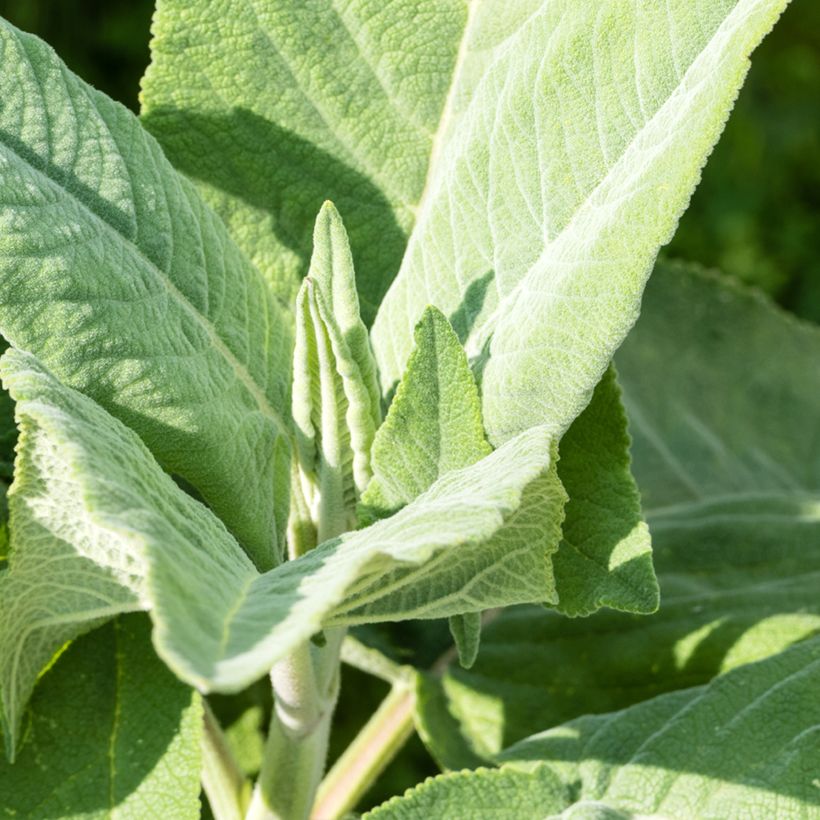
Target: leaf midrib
x=239, y=369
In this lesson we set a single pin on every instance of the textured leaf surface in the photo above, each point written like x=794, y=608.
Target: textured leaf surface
x=88, y=501
x=503, y=794
x=124, y=284
x=746, y=745
x=572, y=140
x=743, y=746
x=433, y=424
x=722, y=389
x=275, y=107
x=111, y=733
x=336, y=401
x=474, y=540
x=605, y=557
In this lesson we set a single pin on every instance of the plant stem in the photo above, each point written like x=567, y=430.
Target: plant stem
x=381, y=738
x=305, y=688
x=225, y=785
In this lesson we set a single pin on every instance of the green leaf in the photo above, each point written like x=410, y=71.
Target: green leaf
x=433, y=425
x=466, y=632
x=743, y=746
x=292, y=104
x=110, y=733
x=336, y=402
x=478, y=538
x=722, y=392
x=503, y=794
x=605, y=556
x=573, y=137
x=218, y=622
x=87, y=503
x=128, y=288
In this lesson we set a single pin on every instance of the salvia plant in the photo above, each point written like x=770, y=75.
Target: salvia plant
x=324, y=341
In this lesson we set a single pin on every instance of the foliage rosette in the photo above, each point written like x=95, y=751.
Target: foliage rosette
x=324, y=340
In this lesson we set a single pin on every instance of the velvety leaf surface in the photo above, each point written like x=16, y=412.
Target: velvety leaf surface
x=605, y=556
x=433, y=424
x=476, y=539
x=110, y=733
x=87, y=502
x=571, y=142
x=275, y=107
x=746, y=745
x=336, y=400
x=128, y=288
x=743, y=746
x=721, y=388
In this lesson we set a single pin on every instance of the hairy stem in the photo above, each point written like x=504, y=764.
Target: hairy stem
x=305, y=688
x=225, y=785
x=381, y=738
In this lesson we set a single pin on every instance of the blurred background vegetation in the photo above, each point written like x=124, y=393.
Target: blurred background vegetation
x=756, y=216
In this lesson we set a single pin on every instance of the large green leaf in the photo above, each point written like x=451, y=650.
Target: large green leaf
x=275, y=107
x=118, y=277
x=110, y=733
x=743, y=746
x=87, y=501
x=476, y=539
x=605, y=556
x=573, y=137
x=722, y=390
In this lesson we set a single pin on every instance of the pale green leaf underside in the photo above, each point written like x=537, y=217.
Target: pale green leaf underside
x=474, y=540
x=111, y=733
x=87, y=503
x=743, y=746
x=123, y=283
x=574, y=136
x=746, y=745
x=722, y=393
x=275, y=107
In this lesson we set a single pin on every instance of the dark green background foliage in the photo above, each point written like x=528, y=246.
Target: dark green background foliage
x=756, y=215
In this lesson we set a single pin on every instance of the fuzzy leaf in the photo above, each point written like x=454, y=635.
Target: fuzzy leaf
x=275, y=107
x=88, y=501
x=127, y=287
x=110, y=733
x=336, y=402
x=573, y=137
x=478, y=538
x=743, y=746
x=433, y=425
x=605, y=556
x=722, y=392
